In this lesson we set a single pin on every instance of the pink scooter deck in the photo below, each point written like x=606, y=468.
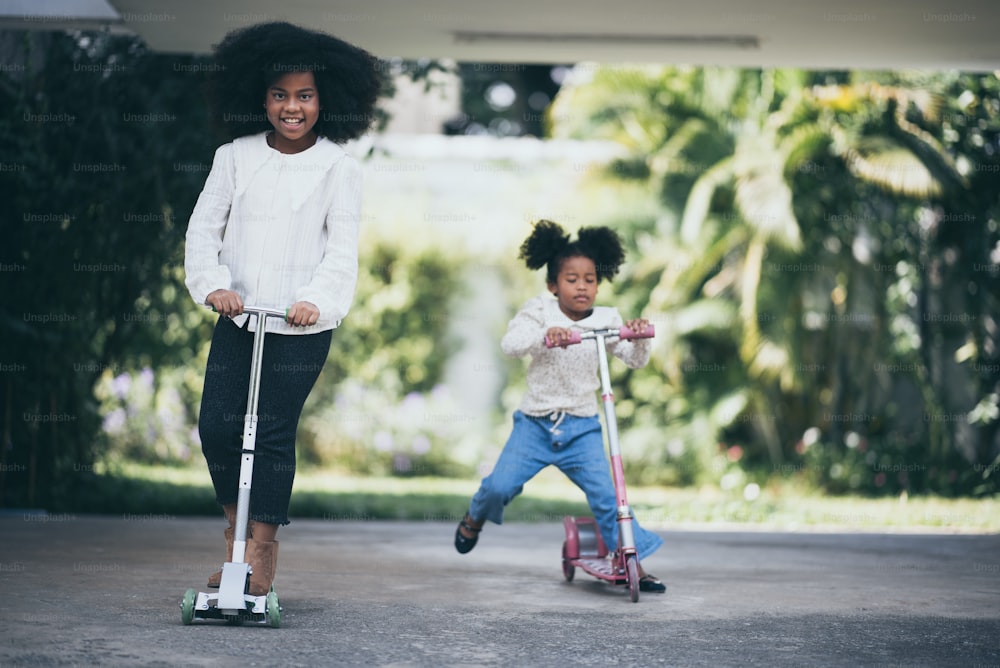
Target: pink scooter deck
x=599, y=568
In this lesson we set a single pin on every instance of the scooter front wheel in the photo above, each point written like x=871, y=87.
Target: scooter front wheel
x=632, y=573
x=187, y=607
x=273, y=610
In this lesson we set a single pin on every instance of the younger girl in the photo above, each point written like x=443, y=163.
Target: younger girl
x=276, y=226
x=558, y=420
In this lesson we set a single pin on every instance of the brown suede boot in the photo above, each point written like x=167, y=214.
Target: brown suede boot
x=216, y=578
x=263, y=559
x=229, y=510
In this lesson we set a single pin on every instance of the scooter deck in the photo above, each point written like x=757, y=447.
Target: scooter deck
x=207, y=607
x=599, y=568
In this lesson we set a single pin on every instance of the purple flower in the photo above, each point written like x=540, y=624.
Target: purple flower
x=421, y=445
x=114, y=422
x=121, y=385
x=383, y=441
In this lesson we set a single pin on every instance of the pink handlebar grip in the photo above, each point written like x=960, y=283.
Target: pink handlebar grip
x=626, y=334
x=574, y=337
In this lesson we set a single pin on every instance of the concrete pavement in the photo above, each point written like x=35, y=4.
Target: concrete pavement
x=98, y=590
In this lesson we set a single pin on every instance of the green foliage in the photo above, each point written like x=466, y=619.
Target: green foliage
x=818, y=251
x=106, y=148
x=889, y=464
x=379, y=406
x=394, y=337
x=373, y=432
x=148, y=416
x=790, y=204
x=104, y=154
x=786, y=505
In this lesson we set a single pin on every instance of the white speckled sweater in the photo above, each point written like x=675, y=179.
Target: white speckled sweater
x=565, y=379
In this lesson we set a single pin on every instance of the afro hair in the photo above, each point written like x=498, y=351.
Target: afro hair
x=250, y=59
x=548, y=245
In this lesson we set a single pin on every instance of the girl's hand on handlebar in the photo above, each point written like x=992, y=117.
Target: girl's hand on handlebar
x=302, y=314
x=637, y=325
x=226, y=303
x=558, y=336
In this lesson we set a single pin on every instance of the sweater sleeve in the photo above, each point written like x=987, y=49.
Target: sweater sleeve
x=634, y=353
x=333, y=283
x=526, y=331
x=203, y=272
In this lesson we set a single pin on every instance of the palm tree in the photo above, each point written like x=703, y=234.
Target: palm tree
x=759, y=175
x=708, y=135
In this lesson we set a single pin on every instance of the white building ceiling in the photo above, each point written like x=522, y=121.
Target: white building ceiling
x=813, y=34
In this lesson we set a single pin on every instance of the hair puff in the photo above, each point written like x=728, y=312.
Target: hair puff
x=548, y=245
x=248, y=60
x=604, y=247
x=545, y=242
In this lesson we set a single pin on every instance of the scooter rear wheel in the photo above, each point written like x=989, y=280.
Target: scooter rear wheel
x=569, y=570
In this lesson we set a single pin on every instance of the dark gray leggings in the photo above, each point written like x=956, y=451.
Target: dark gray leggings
x=291, y=365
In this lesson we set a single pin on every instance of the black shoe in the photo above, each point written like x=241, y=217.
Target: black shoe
x=463, y=544
x=651, y=584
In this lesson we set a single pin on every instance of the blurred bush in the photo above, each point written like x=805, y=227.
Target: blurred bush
x=379, y=406
x=148, y=417
x=820, y=254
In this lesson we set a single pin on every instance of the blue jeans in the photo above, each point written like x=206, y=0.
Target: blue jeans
x=576, y=447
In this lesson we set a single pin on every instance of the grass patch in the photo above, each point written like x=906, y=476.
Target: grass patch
x=139, y=489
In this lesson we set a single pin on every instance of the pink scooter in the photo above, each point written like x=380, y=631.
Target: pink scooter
x=584, y=547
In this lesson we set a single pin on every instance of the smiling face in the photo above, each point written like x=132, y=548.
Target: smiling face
x=292, y=106
x=576, y=287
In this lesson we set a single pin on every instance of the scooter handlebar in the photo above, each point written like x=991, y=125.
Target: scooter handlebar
x=262, y=310
x=623, y=333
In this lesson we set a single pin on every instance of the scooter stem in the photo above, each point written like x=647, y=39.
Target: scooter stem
x=250, y=432
x=626, y=536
